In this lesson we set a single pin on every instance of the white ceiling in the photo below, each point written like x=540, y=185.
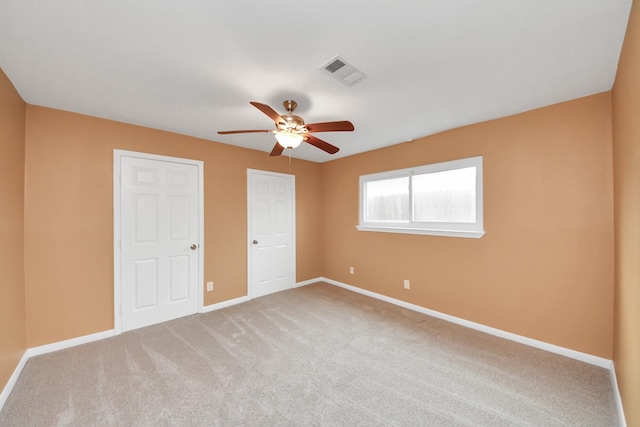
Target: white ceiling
x=192, y=66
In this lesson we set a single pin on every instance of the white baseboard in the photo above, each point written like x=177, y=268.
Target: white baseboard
x=617, y=397
x=223, y=304
x=584, y=357
x=60, y=345
x=49, y=348
x=305, y=283
x=12, y=380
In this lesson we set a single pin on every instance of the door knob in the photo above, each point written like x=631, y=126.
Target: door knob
x=255, y=242
x=194, y=247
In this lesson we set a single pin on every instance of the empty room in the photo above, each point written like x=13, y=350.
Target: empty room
x=319, y=213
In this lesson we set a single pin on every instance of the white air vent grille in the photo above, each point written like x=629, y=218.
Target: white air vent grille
x=340, y=69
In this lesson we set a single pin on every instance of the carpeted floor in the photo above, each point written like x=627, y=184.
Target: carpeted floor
x=312, y=356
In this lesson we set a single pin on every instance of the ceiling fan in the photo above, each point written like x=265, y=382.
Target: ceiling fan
x=291, y=130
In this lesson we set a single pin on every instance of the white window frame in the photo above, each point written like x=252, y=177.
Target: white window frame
x=450, y=229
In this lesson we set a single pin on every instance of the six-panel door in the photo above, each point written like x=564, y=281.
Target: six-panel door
x=272, y=222
x=159, y=241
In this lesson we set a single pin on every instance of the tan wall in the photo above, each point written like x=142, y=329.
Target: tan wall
x=626, y=160
x=544, y=269
x=13, y=333
x=69, y=212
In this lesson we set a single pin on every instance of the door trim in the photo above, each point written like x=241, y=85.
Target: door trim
x=117, y=285
x=250, y=172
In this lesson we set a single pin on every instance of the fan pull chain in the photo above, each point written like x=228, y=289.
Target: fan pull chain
x=290, y=150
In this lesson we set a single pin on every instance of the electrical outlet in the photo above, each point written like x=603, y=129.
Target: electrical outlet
x=352, y=270
x=407, y=284
x=209, y=286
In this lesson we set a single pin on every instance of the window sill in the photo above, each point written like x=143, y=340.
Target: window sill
x=423, y=231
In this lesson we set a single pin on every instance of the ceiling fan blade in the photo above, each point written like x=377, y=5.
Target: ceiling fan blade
x=277, y=150
x=323, y=145
x=268, y=111
x=343, y=126
x=227, y=132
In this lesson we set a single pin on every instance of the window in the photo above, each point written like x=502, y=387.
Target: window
x=443, y=199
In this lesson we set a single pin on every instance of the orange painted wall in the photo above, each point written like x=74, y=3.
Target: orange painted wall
x=13, y=333
x=626, y=160
x=543, y=270
x=69, y=212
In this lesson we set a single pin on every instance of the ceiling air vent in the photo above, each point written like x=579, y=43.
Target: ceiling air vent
x=340, y=69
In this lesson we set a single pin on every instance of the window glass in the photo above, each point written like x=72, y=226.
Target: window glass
x=447, y=196
x=388, y=200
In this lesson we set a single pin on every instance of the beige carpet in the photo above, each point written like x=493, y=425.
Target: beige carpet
x=313, y=356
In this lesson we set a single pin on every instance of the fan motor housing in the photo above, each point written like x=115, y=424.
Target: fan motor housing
x=291, y=122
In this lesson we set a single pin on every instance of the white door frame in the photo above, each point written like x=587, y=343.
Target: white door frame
x=250, y=231
x=117, y=253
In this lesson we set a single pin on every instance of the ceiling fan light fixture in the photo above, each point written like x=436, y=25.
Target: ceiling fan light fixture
x=288, y=138
x=291, y=130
